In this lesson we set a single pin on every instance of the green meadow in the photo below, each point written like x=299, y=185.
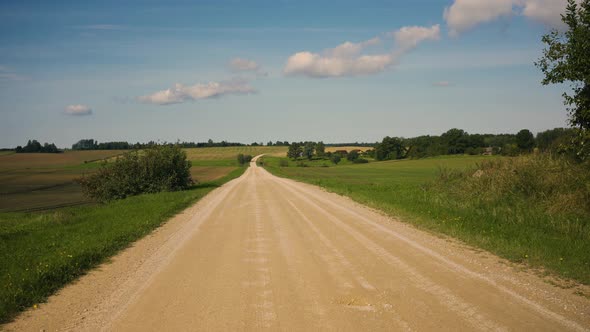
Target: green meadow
x=436, y=194
x=41, y=252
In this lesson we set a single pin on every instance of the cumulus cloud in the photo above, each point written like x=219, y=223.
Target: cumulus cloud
x=182, y=93
x=463, y=15
x=239, y=64
x=347, y=59
x=78, y=110
x=545, y=11
x=408, y=38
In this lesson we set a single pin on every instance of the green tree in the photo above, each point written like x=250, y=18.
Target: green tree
x=295, y=151
x=335, y=158
x=155, y=169
x=353, y=155
x=390, y=148
x=554, y=139
x=525, y=140
x=566, y=59
x=320, y=149
x=457, y=141
x=308, y=149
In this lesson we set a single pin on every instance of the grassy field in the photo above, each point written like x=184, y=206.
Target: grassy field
x=55, y=241
x=37, y=181
x=512, y=227
x=45, y=181
x=41, y=252
x=230, y=153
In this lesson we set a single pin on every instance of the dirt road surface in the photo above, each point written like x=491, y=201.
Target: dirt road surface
x=265, y=253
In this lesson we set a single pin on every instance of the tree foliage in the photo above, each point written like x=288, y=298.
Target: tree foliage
x=566, y=59
x=244, y=159
x=390, y=148
x=308, y=150
x=335, y=158
x=320, y=149
x=159, y=168
x=295, y=150
x=33, y=146
x=525, y=140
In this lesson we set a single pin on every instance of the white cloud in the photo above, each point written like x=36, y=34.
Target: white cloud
x=466, y=14
x=181, y=93
x=239, y=64
x=78, y=109
x=463, y=15
x=408, y=38
x=545, y=11
x=347, y=59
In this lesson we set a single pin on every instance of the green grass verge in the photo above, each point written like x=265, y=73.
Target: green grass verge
x=41, y=252
x=512, y=227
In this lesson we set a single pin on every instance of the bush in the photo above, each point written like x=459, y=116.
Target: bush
x=243, y=159
x=353, y=155
x=335, y=158
x=158, y=168
x=360, y=161
x=554, y=184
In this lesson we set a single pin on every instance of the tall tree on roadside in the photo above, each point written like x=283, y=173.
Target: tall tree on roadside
x=567, y=60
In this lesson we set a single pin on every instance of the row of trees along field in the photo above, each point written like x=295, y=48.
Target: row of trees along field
x=33, y=146
x=454, y=141
x=91, y=144
x=458, y=141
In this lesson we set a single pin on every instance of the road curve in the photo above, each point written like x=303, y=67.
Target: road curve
x=266, y=253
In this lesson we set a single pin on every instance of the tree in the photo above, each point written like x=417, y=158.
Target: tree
x=295, y=151
x=335, y=158
x=320, y=149
x=566, y=60
x=457, y=141
x=525, y=140
x=390, y=148
x=308, y=149
x=353, y=155
x=554, y=139
x=155, y=169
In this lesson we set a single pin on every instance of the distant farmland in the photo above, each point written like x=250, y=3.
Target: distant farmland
x=44, y=181
x=37, y=181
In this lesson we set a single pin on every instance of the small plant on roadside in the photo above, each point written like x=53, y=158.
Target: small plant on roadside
x=244, y=159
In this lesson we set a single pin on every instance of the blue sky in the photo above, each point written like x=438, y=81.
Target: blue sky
x=109, y=69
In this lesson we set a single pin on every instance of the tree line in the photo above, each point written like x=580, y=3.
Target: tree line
x=458, y=141
x=33, y=146
x=91, y=144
